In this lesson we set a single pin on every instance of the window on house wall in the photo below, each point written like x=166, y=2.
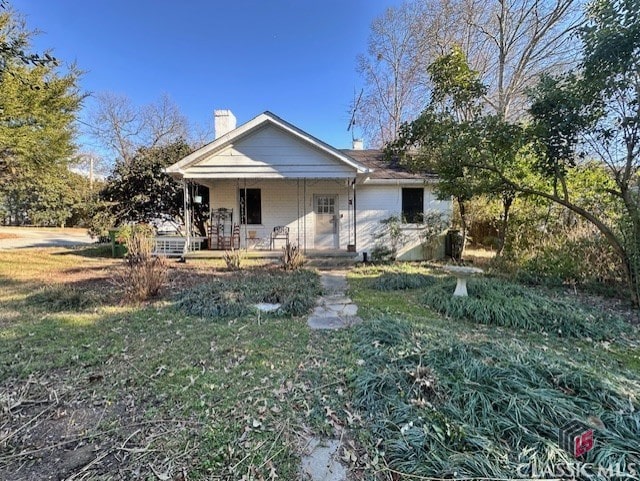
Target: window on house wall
x=250, y=206
x=412, y=205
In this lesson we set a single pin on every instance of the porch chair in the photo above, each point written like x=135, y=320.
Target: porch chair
x=279, y=232
x=214, y=236
x=235, y=239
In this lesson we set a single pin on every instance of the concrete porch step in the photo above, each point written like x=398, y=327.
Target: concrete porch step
x=315, y=258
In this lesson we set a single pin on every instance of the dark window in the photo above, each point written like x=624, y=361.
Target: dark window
x=250, y=206
x=412, y=205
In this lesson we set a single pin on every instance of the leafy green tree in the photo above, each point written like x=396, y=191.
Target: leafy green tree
x=451, y=135
x=49, y=196
x=596, y=114
x=138, y=190
x=592, y=114
x=13, y=46
x=38, y=105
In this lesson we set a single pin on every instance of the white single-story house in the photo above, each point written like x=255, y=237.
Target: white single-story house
x=270, y=181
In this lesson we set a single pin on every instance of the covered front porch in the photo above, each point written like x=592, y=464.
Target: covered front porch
x=265, y=214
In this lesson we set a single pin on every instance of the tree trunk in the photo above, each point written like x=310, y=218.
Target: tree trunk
x=463, y=223
x=507, y=201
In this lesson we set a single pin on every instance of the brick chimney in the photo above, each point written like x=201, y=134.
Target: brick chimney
x=224, y=122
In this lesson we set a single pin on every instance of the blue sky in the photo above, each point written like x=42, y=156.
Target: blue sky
x=296, y=58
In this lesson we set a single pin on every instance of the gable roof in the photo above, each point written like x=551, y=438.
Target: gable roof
x=383, y=168
x=264, y=119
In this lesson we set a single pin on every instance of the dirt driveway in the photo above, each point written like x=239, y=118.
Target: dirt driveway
x=28, y=237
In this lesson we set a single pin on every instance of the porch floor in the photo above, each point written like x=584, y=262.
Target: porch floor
x=274, y=254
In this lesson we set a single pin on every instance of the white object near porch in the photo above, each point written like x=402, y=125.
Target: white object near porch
x=462, y=273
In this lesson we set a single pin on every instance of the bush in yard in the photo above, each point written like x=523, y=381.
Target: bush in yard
x=236, y=296
x=574, y=257
x=100, y=221
x=233, y=259
x=501, y=303
x=144, y=275
x=292, y=257
x=388, y=239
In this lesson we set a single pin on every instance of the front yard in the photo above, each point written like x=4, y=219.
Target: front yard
x=175, y=390
x=91, y=389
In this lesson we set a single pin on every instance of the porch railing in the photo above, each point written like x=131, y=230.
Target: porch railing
x=173, y=246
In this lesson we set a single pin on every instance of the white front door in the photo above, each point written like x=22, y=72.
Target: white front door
x=326, y=211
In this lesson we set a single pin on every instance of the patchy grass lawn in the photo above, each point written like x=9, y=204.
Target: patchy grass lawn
x=92, y=389
x=192, y=387
x=481, y=395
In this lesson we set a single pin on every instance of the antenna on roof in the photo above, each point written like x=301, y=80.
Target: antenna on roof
x=356, y=104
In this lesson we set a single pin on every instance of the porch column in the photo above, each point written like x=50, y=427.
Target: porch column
x=298, y=218
x=304, y=210
x=187, y=217
x=355, y=223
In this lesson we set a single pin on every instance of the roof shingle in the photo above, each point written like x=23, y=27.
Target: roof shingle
x=384, y=168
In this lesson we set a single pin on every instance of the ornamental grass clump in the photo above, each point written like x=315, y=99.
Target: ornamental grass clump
x=292, y=257
x=236, y=296
x=233, y=259
x=394, y=281
x=450, y=409
x=501, y=303
x=144, y=274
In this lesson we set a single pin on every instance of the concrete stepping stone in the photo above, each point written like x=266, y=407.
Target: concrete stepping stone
x=335, y=299
x=321, y=461
x=326, y=322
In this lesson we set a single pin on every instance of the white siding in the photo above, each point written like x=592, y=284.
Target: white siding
x=379, y=202
x=282, y=202
x=270, y=153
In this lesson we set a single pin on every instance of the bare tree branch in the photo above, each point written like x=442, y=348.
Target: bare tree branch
x=121, y=127
x=509, y=42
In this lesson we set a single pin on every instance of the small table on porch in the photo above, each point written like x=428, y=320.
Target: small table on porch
x=462, y=273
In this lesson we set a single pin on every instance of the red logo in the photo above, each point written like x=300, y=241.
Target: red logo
x=576, y=438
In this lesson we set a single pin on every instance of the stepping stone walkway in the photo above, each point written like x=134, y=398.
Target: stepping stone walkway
x=334, y=310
